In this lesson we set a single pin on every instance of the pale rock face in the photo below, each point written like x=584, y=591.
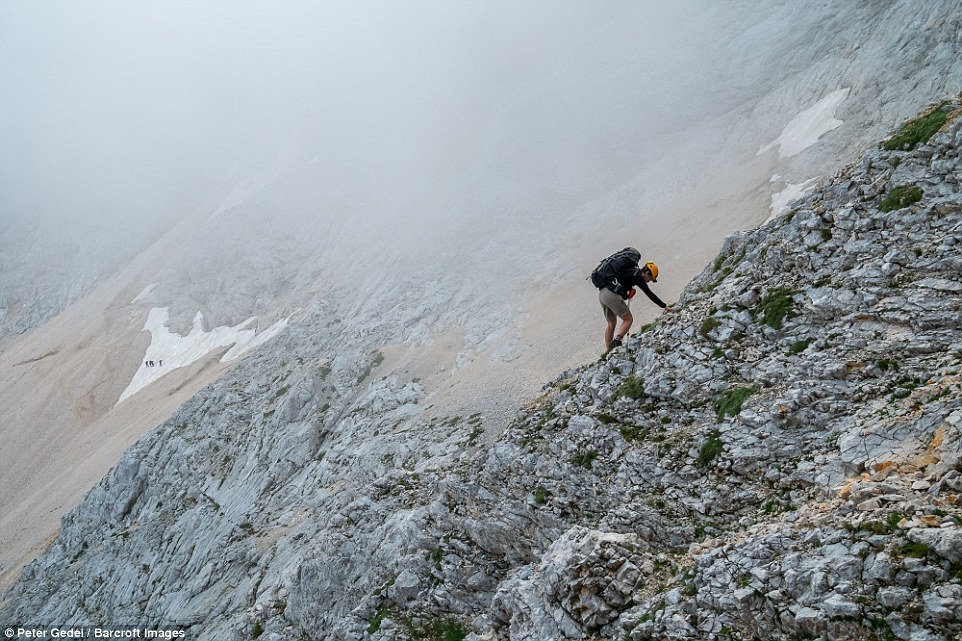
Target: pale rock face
x=806, y=128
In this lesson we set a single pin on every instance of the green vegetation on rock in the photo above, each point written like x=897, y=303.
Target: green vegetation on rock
x=775, y=307
x=710, y=449
x=730, y=402
x=901, y=197
x=375, y=623
x=439, y=630
x=708, y=325
x=632, y=387
x=798, y=347
x=633, y=432
x=541, y=495
x=918, y=130
x=584, y=459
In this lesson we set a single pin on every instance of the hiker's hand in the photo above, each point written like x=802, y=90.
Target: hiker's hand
x=669, y=309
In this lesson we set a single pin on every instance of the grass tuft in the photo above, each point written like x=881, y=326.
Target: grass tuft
x=900, y=198
x=633, y=432
x=918, y=130
x=541, y=494
x=375, y=623
x=584, y=459
x=775, y=307
x=708, y=325
x=730, y=402
x=798, y=347
x=710, y=449
x=633, y=387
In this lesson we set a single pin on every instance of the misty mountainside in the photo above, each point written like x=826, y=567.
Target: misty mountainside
x=596, y=126
x=496, y=157
x=410, y=214
x=781, y=459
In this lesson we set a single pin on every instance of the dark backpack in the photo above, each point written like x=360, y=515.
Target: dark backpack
x=606, y=273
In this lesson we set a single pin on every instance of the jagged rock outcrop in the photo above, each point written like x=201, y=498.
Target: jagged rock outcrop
x=782, y=459
x=790, y=444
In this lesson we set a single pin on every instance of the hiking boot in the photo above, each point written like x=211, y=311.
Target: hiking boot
x=615, y=342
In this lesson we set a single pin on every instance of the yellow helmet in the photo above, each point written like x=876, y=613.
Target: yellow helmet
x=653, y=268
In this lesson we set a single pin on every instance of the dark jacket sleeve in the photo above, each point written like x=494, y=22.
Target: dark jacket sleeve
x=643, y=286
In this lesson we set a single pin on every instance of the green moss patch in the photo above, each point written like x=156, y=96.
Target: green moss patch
x=730, y=402
x=917, y=131
x=708, y=325
x=775, y=307
x=710, y=449
x=900, y=198
x=632, y=387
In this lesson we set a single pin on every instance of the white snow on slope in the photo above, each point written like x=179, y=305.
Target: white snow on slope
x=790, y=194
x=169, y=351
x=806, y=128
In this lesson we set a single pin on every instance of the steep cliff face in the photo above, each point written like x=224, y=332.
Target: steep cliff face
x=780, y=459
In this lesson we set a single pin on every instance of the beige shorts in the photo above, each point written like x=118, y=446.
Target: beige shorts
x=613, y=305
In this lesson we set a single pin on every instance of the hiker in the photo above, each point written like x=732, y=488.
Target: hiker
x=616, y=278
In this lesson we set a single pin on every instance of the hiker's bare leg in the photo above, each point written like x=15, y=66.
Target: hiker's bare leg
x=609, y=333
x=625, y=325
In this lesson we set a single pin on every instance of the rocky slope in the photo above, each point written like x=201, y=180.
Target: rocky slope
x=507, y=205
x=779, y=460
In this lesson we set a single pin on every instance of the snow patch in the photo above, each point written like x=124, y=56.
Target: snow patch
x=790, y=194
x=169, y=351
x=806, y=128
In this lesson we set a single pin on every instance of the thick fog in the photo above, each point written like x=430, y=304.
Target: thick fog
x=417, y=127
x=136, y=114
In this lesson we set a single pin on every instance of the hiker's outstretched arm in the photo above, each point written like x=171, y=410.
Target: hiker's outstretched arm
x=651, y=295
